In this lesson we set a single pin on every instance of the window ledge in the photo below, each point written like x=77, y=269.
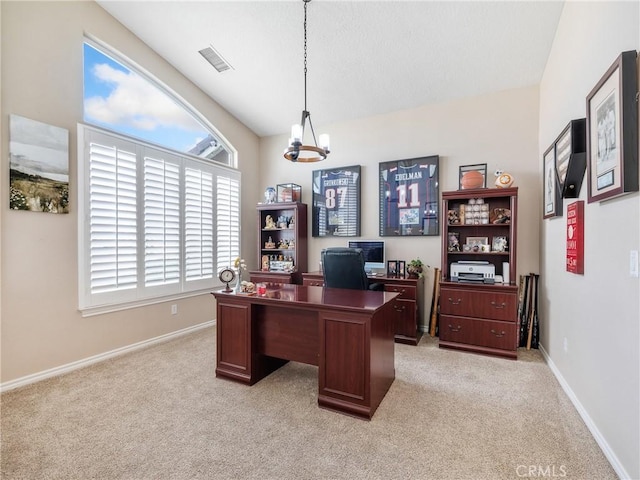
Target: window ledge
x=102, y=309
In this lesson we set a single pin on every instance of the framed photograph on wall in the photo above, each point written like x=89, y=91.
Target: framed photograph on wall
x=409, y=197
x=551, y=201
x=612, y=131
x=472, y=176
x=336, y=202
x=38, y=166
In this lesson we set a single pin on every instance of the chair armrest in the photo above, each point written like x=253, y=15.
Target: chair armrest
x=378, y=287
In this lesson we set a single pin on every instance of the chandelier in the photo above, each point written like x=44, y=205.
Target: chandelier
x=297, y=151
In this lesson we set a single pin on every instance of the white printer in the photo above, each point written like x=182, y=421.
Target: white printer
x=473, y=272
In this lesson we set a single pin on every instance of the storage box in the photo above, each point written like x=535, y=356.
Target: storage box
x=289, y=192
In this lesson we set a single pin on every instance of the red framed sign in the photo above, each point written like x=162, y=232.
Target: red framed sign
x=575, y=237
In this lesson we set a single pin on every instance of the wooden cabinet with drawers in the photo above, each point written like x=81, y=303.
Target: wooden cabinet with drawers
x=479, y=318
x=408, y=307
x=478, y=294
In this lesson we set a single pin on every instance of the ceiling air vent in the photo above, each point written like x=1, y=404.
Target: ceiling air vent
x=215, y=59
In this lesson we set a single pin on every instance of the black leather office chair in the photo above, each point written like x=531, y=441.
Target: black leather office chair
x=344, y=268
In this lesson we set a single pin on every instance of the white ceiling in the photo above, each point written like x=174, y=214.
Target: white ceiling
x=364, y=57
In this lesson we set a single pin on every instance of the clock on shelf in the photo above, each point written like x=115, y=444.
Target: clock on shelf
x=227, y=275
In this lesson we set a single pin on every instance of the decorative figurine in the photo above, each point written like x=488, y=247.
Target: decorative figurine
x=269, y=224
x=503, y=179
x=269, y=244
x=270, y=195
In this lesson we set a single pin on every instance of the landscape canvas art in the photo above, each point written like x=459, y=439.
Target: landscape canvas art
x=39, y=166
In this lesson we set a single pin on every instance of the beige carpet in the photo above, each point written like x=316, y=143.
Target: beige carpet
x=161, y=413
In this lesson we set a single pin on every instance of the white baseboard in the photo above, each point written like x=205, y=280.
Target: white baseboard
x=69, y=367
x=600, y=440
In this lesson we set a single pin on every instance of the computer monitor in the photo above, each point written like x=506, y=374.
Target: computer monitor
x=373, y=251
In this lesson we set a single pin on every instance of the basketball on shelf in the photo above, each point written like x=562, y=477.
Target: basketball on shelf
x=503, y=179
x=472, y=179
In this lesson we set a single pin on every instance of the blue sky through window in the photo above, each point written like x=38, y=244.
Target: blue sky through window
x=119, y=99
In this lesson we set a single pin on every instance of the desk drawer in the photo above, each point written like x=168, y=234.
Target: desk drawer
x=407, y=292
x=473, y=331
x=312, y=282
x=482, y=304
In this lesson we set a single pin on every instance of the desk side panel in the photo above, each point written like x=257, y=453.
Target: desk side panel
x=382, y=361
x=233, y=335
x=343, y=374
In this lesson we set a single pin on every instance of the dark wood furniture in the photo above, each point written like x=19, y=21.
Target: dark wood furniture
x=475, y=316
x=408, y=308
x=346, y=333
x=290, y=242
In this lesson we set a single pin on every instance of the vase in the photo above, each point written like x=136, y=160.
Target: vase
x=414, y=272
x=238, y=288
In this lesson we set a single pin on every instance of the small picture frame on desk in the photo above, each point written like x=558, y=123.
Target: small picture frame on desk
x=401, y=269
x=392, y=268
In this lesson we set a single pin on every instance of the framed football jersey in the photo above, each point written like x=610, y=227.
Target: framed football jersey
x=336, y=202
x=409, y=197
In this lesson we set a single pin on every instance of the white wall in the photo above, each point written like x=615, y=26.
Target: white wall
x=499, y=130
x=42, y=80
x=598, y=313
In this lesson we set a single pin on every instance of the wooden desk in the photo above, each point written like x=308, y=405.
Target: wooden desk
x=408, y=309
x=346, y=333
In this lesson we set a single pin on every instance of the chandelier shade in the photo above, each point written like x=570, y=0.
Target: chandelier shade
x=297, y=151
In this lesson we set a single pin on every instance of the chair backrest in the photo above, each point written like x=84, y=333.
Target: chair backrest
x=344, y=268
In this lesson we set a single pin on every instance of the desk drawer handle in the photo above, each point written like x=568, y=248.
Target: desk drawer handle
x=455, y=329
x=455, y=302
x=399, y=308
x=400, y=290
x=501, y=305
x=499, y=335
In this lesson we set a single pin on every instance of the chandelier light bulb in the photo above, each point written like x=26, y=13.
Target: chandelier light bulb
x=324, y=142
x=296, y=134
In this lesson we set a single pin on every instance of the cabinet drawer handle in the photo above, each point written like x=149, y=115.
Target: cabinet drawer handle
x=455, y=329
x=399, y=308
x=455, y=302
x=499, y=335
x=501, y=305
x=399, y=290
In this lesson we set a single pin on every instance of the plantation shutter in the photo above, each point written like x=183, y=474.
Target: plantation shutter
x=112, y=209
x=227, y=220
x=198, y=224
x=149, y=222
x=161, y=221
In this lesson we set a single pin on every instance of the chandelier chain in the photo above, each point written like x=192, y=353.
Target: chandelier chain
x=297, y=150
x=305, y=53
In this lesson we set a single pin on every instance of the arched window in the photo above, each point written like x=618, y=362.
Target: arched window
x=118, y=98
x=159, y=205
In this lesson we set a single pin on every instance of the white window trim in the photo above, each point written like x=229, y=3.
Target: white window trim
x=87, y=305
